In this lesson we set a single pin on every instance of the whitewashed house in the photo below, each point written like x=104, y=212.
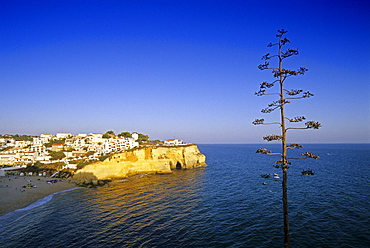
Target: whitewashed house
x=7, y=142
x=7, y=158
x=57, y=147
x=95, y=142
x=75, y=154
x=95, y=138
x=22, y=143
x=38, y=142
x=173, y=142
x=70, y=166
x=63, y=135
x=26, y=157
x=119, y=144
x=38, y=149
x=3, y=142
x=95, y=135
x=46, y=137
x=43, y=158
x=79, y=142
x=135, y=136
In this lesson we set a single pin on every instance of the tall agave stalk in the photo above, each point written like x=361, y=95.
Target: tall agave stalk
x=280, y=74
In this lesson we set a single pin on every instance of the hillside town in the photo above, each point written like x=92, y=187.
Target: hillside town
x=69, y=151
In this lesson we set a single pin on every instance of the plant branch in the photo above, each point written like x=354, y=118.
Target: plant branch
x=262, y=122
x=268, y=152
x=309, y=125
x=307, y=155
x=296, y=119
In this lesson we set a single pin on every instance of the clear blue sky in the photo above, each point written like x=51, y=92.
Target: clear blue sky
x=181, y=69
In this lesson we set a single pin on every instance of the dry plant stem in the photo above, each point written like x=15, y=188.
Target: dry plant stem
x=284, y=155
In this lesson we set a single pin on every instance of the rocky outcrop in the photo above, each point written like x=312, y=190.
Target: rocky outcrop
x=86, y=179
x=156, y=159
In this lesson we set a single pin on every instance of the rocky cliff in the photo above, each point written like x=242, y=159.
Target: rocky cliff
x=158, y=159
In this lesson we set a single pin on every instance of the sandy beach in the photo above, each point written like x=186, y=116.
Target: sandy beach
x=14, y=196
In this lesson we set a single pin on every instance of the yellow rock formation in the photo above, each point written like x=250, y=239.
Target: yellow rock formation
x=158, y=159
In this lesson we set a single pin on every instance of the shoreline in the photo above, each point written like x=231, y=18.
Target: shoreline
x=14, y=196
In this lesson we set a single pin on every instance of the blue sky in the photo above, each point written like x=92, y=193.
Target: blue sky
x=181, y=69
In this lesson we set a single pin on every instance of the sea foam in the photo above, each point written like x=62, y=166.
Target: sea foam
x=42, y=201
x=16, y=214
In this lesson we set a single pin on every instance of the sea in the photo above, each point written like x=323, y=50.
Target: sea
x=225, y=204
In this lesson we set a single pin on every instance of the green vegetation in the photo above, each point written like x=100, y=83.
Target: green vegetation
x=5, y=149
x=142, y=138
x=55, y=141
x=18, y=137
x=102, y=158
x=125, y=134
x=35, y=166
x=57, y=166
x=109, y=134
x=150, y=142
x=82, y=164
x=155, y=142
x=38, y=164
x=89, y=153
x=57, y=155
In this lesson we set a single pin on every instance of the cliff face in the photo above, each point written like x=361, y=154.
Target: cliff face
x=161, y=159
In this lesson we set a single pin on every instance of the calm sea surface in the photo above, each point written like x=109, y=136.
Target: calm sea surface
x=222, y=205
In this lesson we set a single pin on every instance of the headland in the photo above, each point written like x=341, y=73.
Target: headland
x=20, y=191
x=151, y=159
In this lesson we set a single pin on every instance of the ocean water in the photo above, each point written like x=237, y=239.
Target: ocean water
x=221, y=205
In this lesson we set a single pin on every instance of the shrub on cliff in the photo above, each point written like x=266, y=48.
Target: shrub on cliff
x=102, y=158
x=82, y=164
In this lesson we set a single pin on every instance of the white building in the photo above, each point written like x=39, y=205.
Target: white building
x=7, y=142
x=95, y=135
x=22, y=143
x=135, y=136
x=79, y=142
x=75, y=154
x=95, y=142
x=38, y=142
x=57, y=147
x=26, y=157
x=63, y=135
x=119, y=144
x=38, y=149
x=70, y=166
x=46, y=137
x=173, y=142
x=43, y=158
x=95, y=138
x=7, y=158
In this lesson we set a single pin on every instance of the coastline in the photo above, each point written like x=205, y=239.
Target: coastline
x=13, y=196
